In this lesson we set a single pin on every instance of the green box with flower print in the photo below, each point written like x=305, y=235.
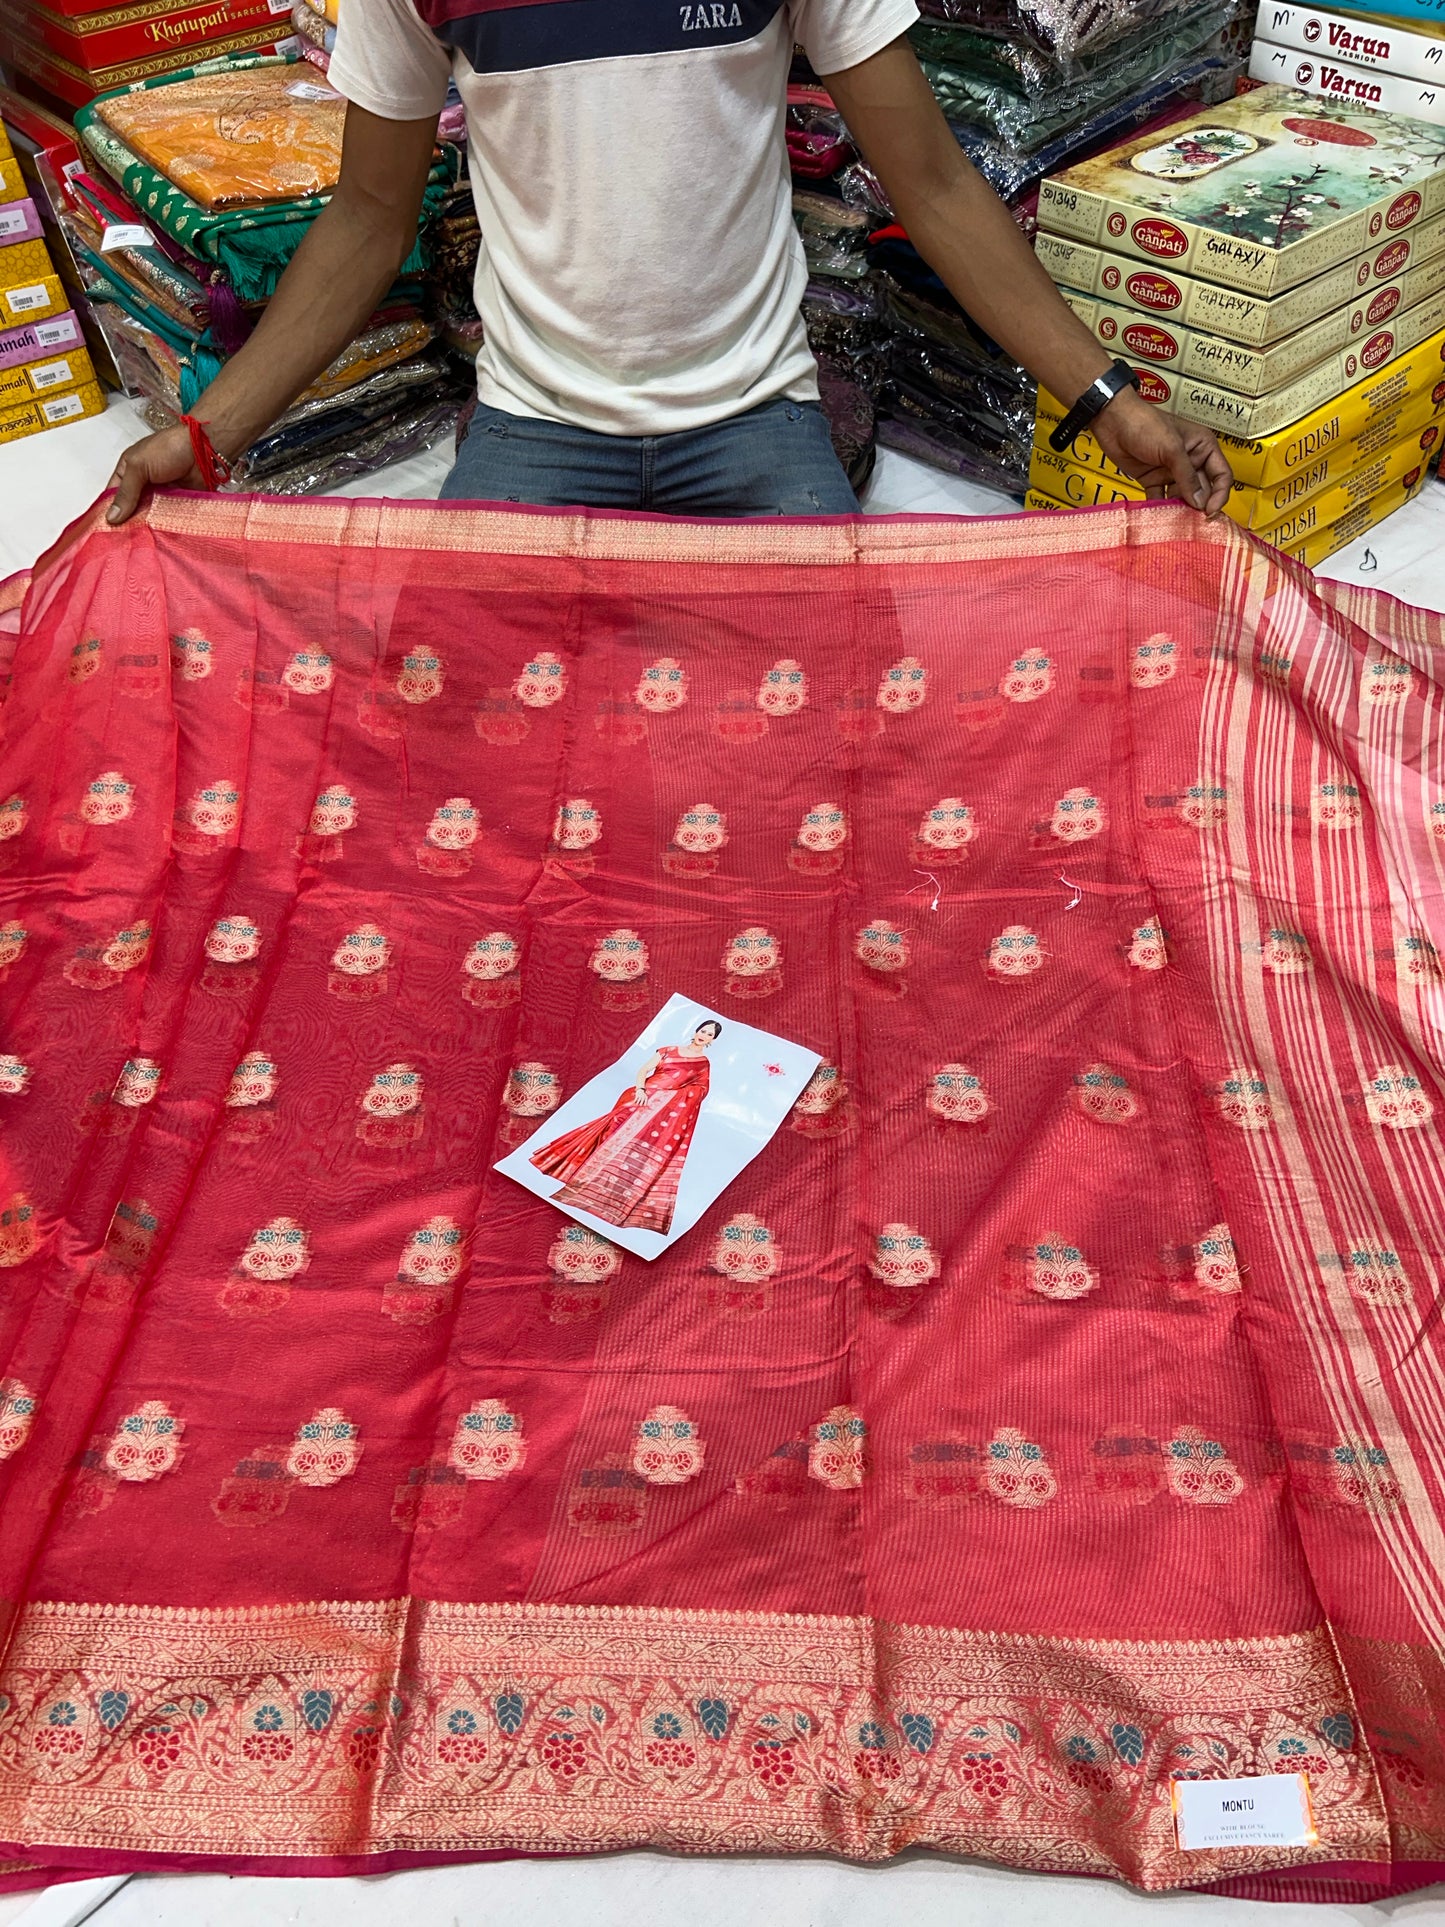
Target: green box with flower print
x=1260, y=193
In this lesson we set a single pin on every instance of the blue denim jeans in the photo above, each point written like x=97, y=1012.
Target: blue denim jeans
x=773, y=460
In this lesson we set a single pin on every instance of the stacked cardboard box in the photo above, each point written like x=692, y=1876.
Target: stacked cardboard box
x=1280, y=276
x=46, y=376
x=73, y=50
x=1344, y=55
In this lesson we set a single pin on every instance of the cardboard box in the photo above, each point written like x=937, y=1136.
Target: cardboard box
x=1408, y=12
x=1310, y=545
x=1222, y=194
x=50, y=411
x=115, y=35
x=24, y=260
x=45, y=149
x=77, y=87
x=1256, y=371
x=56, y=375
x=1246, y=318
x=1249, y=418
x=19, y=223
x=1314, y=548
x=1400, y=466
x=1363, y=43
x=1416, y=424
x=1081, y=486
x=36, y=340
x=1335, y=81
x=49, y=157
x=1415, y=381
x=32, y=300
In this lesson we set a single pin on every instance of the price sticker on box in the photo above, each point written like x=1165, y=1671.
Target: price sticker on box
x=50, y=374
x=1266, y=1810
x=24, y=300
x=55, y=334
x=63, y=408
x=14, y=220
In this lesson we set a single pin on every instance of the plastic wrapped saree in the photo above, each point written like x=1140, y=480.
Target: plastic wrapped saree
x=1051, y=1412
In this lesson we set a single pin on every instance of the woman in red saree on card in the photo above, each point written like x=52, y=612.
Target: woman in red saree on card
x=625, y=1168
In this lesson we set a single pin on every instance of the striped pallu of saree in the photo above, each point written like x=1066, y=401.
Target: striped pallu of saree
x=1052, y=1411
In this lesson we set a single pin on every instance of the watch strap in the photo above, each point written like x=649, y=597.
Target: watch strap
x=1094, y=400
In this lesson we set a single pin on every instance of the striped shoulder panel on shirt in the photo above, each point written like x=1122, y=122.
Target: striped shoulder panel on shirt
x=508, y=36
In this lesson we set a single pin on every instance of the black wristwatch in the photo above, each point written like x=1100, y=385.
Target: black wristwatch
x=1094, y=400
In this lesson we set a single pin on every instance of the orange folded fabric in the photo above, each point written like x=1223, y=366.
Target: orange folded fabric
x=236, y=139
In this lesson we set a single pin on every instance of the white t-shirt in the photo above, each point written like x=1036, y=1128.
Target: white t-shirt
x=640, y=272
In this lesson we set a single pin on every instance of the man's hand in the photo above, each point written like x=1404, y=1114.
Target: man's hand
x=1165, y=454
x=340, y=271
x=971, y=241
x=160, y=461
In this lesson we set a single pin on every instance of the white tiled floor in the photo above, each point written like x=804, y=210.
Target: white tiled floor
x=44, y=483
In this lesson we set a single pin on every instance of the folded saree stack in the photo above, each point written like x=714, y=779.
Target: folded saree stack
x=840, y=303
x=200, y=188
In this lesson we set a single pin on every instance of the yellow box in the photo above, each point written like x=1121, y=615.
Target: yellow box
x=1401, y=464
x=1077, y=484
x=31, y=300
x=1313, y=549
x=23, y=261
x=1273, y=457
x=12, y=182
x=1418, y=419
x=1309, y=549
x=53, y=376
x=1311, y=497
x=7, y=152
x=50, y=411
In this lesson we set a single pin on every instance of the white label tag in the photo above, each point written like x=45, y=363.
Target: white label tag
x=50, y=374
x=71, y=169
x=22, y=300
x=13, y=220
x=279, y=6
x=50, y=334
x=126, y=234
x=1268, y=1810
x=63, y=409
x=311, y=90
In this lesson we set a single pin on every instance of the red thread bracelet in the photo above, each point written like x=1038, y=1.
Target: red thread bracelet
x=214, y=468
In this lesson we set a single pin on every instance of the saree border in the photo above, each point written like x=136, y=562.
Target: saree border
x=623, y=536
x=332, y=1729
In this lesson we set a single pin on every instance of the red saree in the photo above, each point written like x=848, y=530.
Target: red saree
x=1052, y=1410
x=625, y=1168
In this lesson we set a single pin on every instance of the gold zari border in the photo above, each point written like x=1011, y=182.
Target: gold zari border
x=407, y=1726
x=464, y=530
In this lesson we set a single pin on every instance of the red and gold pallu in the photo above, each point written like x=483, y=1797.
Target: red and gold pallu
x=1053, y=1409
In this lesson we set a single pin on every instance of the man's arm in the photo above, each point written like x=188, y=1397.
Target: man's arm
x=340, y=271
x=970, y=240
